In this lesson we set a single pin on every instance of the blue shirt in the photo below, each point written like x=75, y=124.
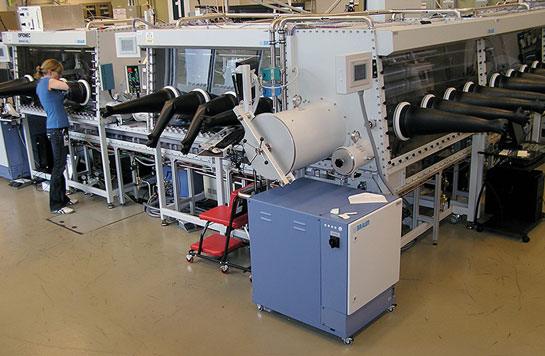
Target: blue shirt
x=52, y=102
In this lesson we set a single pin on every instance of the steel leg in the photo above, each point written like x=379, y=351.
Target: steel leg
x=119, y=169
x=160, y=181
x=437, y=207
x=175, y=179
x=220, y=187
x=106, y=165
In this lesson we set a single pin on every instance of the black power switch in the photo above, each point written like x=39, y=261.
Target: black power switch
x=334, y=242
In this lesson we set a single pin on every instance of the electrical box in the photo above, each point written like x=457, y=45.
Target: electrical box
x=353, y=72
x=132, y=74
x=107, y=74
x=47, y=17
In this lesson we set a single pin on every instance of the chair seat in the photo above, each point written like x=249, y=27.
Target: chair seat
x=220, y=214
x=215, y=244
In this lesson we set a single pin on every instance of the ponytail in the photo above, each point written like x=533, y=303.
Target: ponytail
x=38, y=75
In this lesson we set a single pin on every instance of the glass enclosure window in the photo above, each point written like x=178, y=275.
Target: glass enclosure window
x=225, y=64
x=507, y=51
x=408, y=76
x=192, y=66
x=76, y=62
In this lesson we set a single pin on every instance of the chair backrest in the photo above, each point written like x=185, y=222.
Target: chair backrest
x=242, y=204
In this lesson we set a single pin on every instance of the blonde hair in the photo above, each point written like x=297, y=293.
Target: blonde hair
x=48, y=66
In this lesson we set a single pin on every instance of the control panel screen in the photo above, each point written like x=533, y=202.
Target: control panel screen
x=360, y=72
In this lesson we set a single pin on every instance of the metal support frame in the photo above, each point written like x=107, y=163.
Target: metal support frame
x=119, y=169
x=175, y=179
x=479, y=142
x=220, y=187
x=160, y=181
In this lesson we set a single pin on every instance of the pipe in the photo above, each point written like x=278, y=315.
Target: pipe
x=137, y=19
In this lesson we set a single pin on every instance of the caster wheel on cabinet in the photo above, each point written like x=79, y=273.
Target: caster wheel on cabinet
x=259, y=307
x=348, y=340
x=525, y=239
x=111, y=206
x=455, y=218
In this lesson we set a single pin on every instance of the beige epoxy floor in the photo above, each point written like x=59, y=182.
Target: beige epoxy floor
x=126, y=289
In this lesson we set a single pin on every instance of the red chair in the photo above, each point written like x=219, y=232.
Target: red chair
x=234, y=216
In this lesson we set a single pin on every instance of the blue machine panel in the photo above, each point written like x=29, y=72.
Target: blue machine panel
x=286, y=277
x=183, y=188
x=334, y=265
x=107, y=74
x=300, y=258
x=13, y=159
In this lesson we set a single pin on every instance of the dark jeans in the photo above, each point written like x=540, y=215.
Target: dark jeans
x=57, y=186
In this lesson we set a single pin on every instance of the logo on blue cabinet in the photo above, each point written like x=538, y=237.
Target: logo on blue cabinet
x=362, y=225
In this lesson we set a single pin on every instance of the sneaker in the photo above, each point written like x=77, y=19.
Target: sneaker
x=72, y=202
x=65, y=210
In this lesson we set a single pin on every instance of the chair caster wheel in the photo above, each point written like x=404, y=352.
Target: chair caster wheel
x=189, y=258
x=224, y=269
x=111, y=206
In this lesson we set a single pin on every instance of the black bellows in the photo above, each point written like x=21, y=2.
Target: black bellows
x=494, y=102
x=20, y=88
x=489, y=113
x=410, y=120
x=501, y=81
x=16, y=82
x=215, y=106
x=185, y=104
x=229, y=118
x=524, y=75
x=151, y=103
x=504, y=93
x=78, y=92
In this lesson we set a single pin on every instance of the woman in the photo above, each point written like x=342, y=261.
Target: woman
x=49, y=90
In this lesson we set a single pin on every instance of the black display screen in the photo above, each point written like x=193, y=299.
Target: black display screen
x=360, y=72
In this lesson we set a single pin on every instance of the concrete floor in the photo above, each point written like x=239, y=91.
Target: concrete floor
x=126, y=289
